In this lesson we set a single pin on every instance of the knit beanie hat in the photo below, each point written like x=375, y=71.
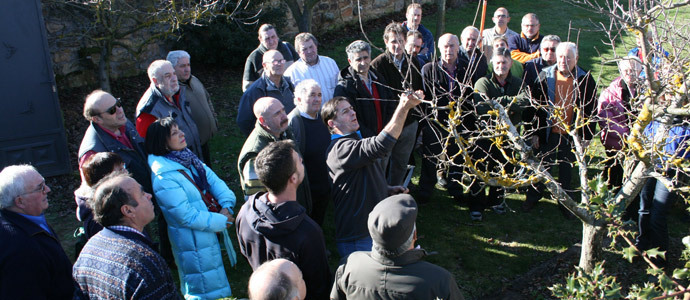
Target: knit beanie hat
x=392, y=221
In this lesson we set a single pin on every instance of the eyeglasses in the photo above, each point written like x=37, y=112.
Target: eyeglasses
x=278, y=62
x=113, y=109
x=549, y=49
x=500, y=16
x=41, y=188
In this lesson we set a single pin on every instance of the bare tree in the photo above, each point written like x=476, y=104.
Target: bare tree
x=135, y=25
x=660, y=96
x=302, y=13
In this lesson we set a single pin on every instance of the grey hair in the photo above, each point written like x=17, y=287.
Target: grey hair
x=630, y=61
x=503, y=52
x=266, y=27
x=174, y=56
x=155, y=66
x=570, y=46
x=549, y=38
x=397, y=252
x=303, y=88
x=304, y=37
x=13, y=183
x=468, y=29
x=357, y=47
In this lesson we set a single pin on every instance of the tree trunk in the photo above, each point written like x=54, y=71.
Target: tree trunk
x=304, y=22
x=103, y=68
x=440, y=18
x=592, y=238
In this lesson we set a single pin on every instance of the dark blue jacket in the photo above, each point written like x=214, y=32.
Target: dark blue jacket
x=261, y=88
x=33, y=264
x=95, y=139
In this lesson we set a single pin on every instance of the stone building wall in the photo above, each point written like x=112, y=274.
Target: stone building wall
x=75, y=58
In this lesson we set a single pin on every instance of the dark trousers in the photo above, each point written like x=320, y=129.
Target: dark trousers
x=432, y=150
x=487, y=158
x=613, y=170
x=558, y=150
x=655, y=201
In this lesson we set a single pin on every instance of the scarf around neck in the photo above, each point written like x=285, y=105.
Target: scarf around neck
x=188, y=159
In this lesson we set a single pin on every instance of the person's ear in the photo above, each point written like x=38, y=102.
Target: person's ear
x=330, y=123
x=126, y=210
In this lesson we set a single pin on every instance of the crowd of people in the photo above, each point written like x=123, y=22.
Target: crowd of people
x=315, y=134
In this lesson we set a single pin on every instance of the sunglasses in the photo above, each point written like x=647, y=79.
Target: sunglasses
x=549, y=49
x=113, y=109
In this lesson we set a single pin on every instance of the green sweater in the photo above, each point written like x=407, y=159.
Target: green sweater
x=489, y=86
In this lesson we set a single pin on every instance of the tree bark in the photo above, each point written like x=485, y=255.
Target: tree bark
x=103, y=68
x=440, y=18
x=592, y=237
x=302, y=14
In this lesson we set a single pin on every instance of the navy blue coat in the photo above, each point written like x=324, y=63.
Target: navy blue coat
x=33, y=264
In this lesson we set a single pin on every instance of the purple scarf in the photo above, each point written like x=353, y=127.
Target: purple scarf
x=188, y=159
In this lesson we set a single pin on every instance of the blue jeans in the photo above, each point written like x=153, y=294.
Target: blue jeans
x=655, y=201
x=345, y=248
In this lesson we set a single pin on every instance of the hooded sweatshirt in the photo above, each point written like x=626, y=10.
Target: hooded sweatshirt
x=266, y=231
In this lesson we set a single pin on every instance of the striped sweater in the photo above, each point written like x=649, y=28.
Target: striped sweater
x=122, y=265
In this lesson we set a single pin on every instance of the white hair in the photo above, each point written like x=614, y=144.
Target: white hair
x=174, y=56
x=155, y=67
x=13, y=183
x=303, y=88
x=569, y=46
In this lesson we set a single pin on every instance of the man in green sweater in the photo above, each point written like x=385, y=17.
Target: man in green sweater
x=503, y=87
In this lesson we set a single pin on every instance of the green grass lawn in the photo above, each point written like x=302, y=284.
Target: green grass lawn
x=484, y=256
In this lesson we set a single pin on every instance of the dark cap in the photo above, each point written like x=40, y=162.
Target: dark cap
x=392, y=221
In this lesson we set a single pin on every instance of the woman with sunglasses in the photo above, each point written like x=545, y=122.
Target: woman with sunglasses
x=197, y=205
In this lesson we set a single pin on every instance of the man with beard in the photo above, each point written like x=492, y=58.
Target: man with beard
x=165, y=98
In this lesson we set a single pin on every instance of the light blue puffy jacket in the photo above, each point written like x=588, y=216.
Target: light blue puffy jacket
x=192, y=228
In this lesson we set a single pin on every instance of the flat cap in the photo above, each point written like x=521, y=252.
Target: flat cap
x=392, y=221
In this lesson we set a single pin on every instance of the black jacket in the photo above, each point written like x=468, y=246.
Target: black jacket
x=95, y=139
x=411, y=76
x=476, y=63
x=441, y=89
x=33, y=264
x=351, y=87
x=266, y=231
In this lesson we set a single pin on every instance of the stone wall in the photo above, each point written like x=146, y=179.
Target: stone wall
x=76, y=58
x=330, y=14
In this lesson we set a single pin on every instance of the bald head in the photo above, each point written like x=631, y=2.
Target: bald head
x=273, y=63
x=92, y=101
x=448, y=46
x=277, y=279
x=262, y=104
x=271, y=115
